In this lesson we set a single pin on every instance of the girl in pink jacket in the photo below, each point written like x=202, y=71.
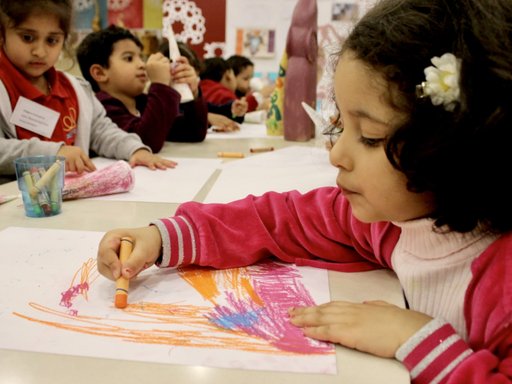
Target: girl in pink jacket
x=424, y=92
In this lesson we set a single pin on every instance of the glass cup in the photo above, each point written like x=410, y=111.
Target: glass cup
x=41, y=180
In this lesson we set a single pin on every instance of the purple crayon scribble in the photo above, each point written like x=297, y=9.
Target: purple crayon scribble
x=279, y=287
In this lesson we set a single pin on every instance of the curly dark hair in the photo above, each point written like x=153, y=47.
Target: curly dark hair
x=97, y=47
x=462, y=157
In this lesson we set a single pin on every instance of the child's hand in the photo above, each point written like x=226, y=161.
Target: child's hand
x=267, y=90
x=183, y=72
x=147, y=245
x=264, y=105
x=239, y=107
x=158, y=68
x=150, y=160
x=76, y=160
x=374, y=327
x=222, y=123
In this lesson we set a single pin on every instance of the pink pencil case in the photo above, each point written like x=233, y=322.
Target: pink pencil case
x=115, y=178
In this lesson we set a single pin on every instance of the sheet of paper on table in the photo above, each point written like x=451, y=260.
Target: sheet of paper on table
x=55, y=301
x=291, y=168
x=175, y=185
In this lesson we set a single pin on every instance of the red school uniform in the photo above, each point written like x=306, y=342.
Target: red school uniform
x=62, y=98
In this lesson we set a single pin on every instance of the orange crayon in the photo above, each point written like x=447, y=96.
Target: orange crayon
x=235, y=155
x=262, y=149
x=121, y=298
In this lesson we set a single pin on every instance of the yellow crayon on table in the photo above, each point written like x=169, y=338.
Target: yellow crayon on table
x=262, y=149
x=45, y=179
x=234, y=155
x=122, y=284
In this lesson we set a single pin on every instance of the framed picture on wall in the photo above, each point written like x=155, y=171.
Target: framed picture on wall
x=345, y=11
x=255, y=42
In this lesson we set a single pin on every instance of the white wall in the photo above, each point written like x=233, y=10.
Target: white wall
x=276, y=14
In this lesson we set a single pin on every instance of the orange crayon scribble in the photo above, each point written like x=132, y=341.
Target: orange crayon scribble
x=244, y=316
x=208, y=282
x=200, y=333
x=202, y=280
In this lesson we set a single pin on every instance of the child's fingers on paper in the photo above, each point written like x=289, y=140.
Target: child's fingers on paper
x=162, y=166
x=88, y=164
x=165, y=163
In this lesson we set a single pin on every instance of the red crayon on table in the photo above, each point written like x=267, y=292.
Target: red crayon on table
x=122, y=284
x=262, y=149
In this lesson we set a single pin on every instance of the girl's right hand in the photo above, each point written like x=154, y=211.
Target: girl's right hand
x=147, y=247
x=76, y=160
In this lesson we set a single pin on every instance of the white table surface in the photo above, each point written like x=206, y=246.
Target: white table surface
x=21, y=367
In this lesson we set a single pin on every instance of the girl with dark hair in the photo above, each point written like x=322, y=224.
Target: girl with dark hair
x=424, y=92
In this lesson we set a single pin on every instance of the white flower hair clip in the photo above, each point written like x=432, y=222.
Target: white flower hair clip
x=442, y=81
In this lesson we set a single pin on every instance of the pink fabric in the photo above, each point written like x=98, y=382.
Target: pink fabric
x=115, y=178
x=317, y=228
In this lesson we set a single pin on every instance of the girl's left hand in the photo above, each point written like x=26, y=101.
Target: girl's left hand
x=374, y=327
x=183, y=72
x=150, y=160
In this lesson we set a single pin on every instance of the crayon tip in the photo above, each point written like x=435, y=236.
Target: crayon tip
x=121, y=300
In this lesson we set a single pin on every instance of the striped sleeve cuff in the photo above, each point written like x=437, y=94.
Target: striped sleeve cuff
x=178, y=242
x=433, y=352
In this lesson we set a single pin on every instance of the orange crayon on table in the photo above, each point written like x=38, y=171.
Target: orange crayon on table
x=234, y=155
x=261, y=149
x=122, y=284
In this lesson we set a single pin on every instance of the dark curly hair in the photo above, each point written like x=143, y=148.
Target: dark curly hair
x=462, y=157
x=97, y=47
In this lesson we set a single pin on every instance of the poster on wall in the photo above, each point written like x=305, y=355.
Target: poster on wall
x=125, y=13
x=89, y=14
x=152, y=13
x=255, y=42
x=201, y=24
x=345, y=11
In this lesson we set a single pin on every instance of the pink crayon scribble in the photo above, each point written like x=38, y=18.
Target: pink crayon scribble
x=68, y=296
x=279, y=288
x=80, y=285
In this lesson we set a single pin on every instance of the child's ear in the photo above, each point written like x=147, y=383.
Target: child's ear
x=98, y=73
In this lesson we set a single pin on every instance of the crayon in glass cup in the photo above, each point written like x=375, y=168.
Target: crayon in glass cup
x=41, y=180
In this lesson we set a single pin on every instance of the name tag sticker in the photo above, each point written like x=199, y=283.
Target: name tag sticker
x=34, y=117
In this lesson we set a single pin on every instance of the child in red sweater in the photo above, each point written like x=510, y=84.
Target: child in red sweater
x=218, y=84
